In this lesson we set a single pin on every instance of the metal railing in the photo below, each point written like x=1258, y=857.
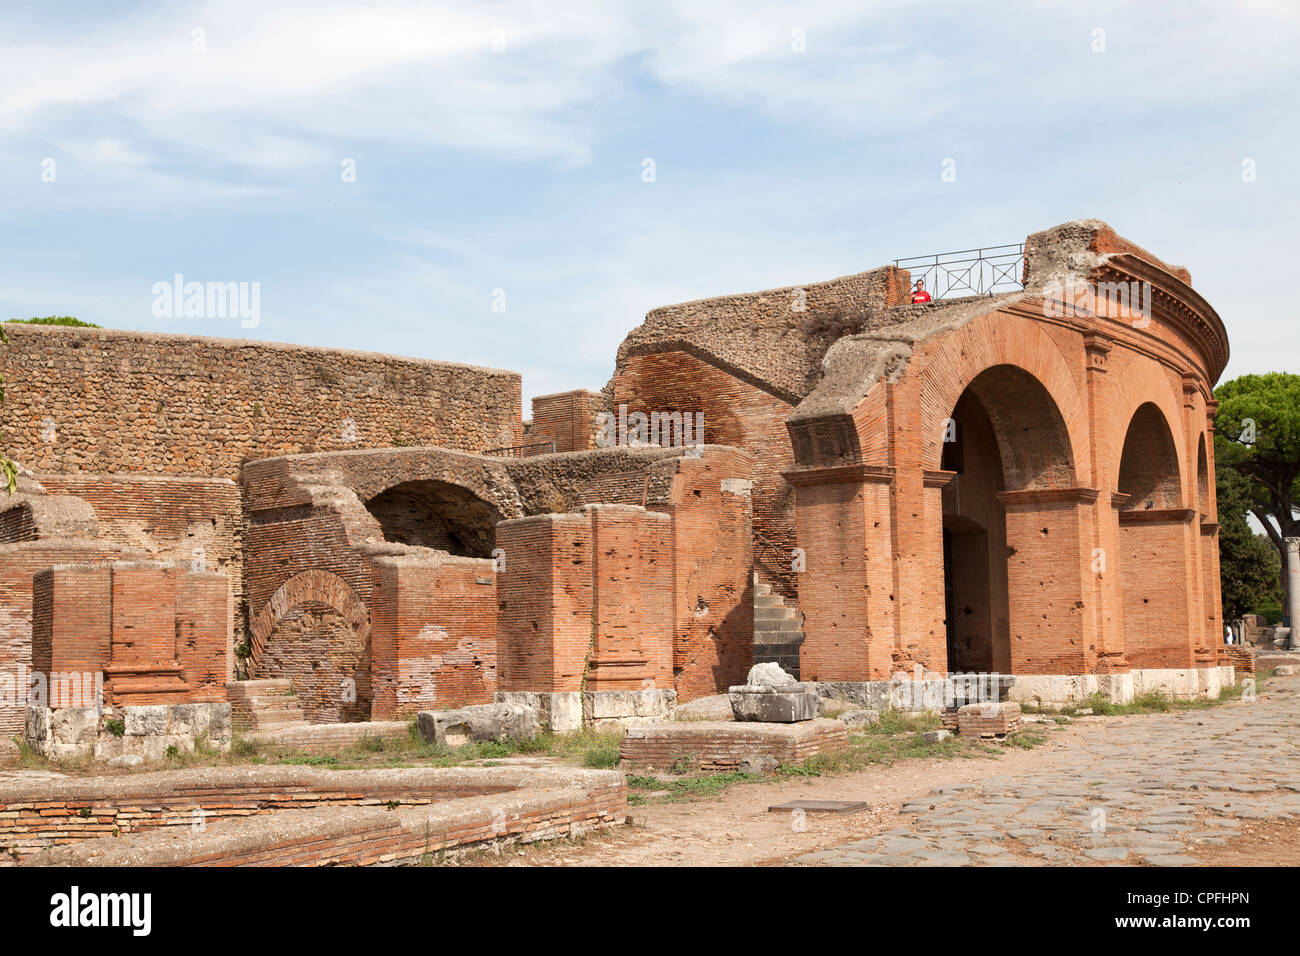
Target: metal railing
x=983, y=271
x=523, y=451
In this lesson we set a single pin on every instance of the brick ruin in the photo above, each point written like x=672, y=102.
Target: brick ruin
x=1010, y=483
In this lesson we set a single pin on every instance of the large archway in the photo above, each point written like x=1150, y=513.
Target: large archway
x=436, y=514
x=1154, y=540
x=1006, y=444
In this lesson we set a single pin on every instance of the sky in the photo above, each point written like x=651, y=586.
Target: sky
x=472, y=181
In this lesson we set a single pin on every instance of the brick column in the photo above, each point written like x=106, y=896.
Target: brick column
x=632, y=598
x=1106, y=601
x=931, y=639
x=1199, y=624
x=1293, y=576
x=844, y=527
x=1107, y=570
x=1215, y=601
x=544, y=595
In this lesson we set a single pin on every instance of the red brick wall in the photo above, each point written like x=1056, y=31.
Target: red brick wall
x=196, y=520
x=71, y=629
x=158, y=632
x=586, y=600
x=845, y=526
x=1047, y=571
x=19, y=563
x=327, y=660
x=632, y=598
x=712, y=567
x=544, y=595
x=566, y=418
x=433, y=634
x=637, y=598
x=738, y=414
x=1157, y=613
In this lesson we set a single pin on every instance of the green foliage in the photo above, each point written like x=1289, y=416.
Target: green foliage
x=1268, y=460
x=903, y=722
x=601, y=756
x=1271, y=611
x=1249, y=565
x=115, y=726
x=686, y=788
x=57, y=320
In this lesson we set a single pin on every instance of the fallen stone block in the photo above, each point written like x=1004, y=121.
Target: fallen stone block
x=757, y=764
x=935, y=736
x=860, y=718
x=773, y=705
x=456, y=728
x=1284, y=670
x=769, y=674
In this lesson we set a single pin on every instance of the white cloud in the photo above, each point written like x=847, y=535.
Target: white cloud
x=299, y=81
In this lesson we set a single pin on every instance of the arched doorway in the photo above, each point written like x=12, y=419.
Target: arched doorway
x=1154, y=538
x=1203, y=480
x=315, y=630
x=1007, y=445
x=436, y=514
x=317, y=648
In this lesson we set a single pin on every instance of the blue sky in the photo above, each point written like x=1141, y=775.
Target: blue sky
x=501, y=146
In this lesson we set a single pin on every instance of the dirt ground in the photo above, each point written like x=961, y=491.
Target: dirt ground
x=737, y=829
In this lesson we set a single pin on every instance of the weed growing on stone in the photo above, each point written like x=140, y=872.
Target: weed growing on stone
x=690, y=787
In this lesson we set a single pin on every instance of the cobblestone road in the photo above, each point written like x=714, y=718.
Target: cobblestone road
x=1152, y=789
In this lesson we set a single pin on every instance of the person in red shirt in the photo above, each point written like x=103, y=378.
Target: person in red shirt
x=920, y=295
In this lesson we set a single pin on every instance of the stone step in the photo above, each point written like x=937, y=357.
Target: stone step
x=778, y=630
x=278, y=702
x=267, y=704
x=263, y=722
x=775, y=627
x=781, y=637
x=267, y=687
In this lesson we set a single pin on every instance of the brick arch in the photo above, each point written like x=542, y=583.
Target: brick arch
x=314, y=587
x=371, y=473
x=1149, y=464
x=1125, y=395
x=436, y=514
x=1162, y=626
x=1026, y=385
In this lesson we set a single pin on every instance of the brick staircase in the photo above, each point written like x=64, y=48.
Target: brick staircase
x=778, y=630
x=264, y=704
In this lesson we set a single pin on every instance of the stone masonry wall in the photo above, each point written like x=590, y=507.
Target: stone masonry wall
x=102, y=400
